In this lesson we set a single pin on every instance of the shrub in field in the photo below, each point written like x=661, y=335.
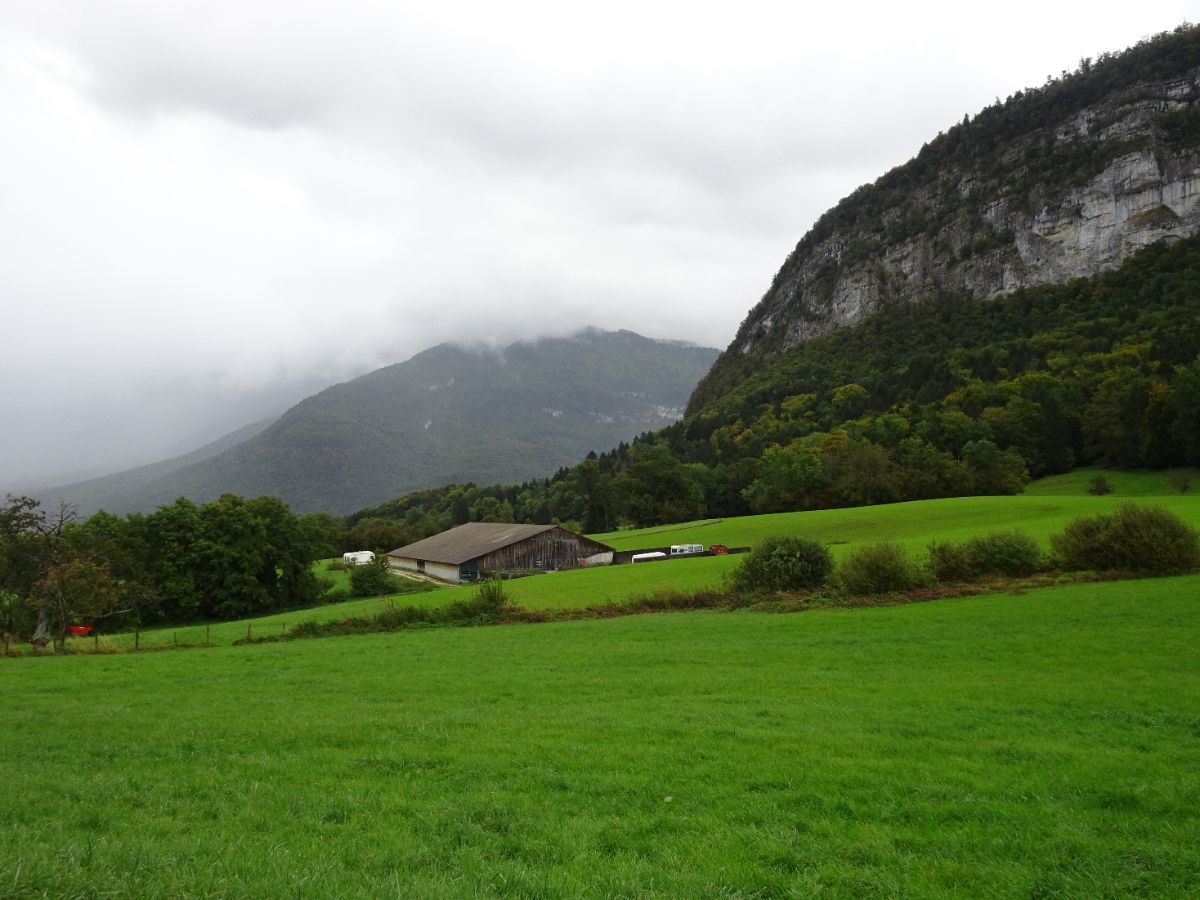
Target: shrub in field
x=1134, y=538
x=877, y=569
x=1099, y=486
x=1005, y=553
x=950, y=562
x=784, y=564
x=491, y=594
x=483, y=607
x=337, y=595
x=1008, y=553
x=372, y=579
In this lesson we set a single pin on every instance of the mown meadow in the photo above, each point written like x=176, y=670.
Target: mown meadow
x=1045, y=744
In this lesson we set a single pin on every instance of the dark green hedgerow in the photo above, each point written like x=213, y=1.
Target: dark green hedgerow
x=1144, y=539
x=490, y=606
x=784, y=564
x=1006, y=553
x=877, y=569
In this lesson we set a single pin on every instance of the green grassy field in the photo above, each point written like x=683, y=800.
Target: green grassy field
x=1144, y=483
x=912, y=524
x=339, y=577
x=1037, y=745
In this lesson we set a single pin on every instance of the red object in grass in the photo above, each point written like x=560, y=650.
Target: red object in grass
x=79, y=629
x=718, y=549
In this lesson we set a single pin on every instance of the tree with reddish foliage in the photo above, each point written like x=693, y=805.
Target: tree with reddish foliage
x=75, y=591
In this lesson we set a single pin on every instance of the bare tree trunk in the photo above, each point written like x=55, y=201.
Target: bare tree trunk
x=41, y=634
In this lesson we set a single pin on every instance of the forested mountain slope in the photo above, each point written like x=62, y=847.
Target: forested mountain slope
x=874, y=371
x=1057, y=182
x=946, y=398
x=448, y=414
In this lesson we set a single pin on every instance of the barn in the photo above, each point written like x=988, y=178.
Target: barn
x=478, y=549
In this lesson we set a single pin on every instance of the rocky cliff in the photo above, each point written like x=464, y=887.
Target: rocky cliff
x=1056, y=183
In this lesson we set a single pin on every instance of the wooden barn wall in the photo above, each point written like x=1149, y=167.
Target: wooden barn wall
x=549, y=550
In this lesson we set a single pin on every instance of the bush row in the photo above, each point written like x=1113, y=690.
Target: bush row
x=1145, y=540
x=483, y=608
x=490, y=605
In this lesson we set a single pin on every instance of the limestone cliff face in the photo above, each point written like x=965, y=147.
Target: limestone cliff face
x=988, y=208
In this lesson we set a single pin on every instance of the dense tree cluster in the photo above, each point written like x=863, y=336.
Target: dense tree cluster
x=224, y=559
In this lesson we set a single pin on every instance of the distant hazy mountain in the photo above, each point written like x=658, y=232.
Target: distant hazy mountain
x=449, y=414
x=140, y=489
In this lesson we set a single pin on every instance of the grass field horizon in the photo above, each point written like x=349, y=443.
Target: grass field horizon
x=1042, y=511
x=1002, y=745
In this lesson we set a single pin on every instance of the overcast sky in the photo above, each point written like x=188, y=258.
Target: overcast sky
x=209, y=209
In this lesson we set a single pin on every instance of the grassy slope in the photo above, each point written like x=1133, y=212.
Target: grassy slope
x=1044, y=744
x=912, y=524
x=1141, y=483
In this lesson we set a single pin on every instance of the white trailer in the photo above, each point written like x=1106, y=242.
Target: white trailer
x=677, y=549
x=358, y=557
x=646, y=557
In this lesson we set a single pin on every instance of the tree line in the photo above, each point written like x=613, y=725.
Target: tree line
x=186, y=561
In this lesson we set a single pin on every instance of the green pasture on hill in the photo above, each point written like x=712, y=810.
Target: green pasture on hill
x=340, y=577
x=1125, y=483
x=912, y=524
x=1037, y=745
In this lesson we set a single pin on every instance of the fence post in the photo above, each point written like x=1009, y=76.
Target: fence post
x=206, y=641
x=249, y=634
x=95, y=642
x=283, y=629
x=175, y=638
x=137, y=636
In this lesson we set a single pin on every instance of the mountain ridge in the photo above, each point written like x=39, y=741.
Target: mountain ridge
x=88, y=494
x=423, y=422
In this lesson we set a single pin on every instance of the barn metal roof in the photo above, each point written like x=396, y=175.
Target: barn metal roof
x=469, y=541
